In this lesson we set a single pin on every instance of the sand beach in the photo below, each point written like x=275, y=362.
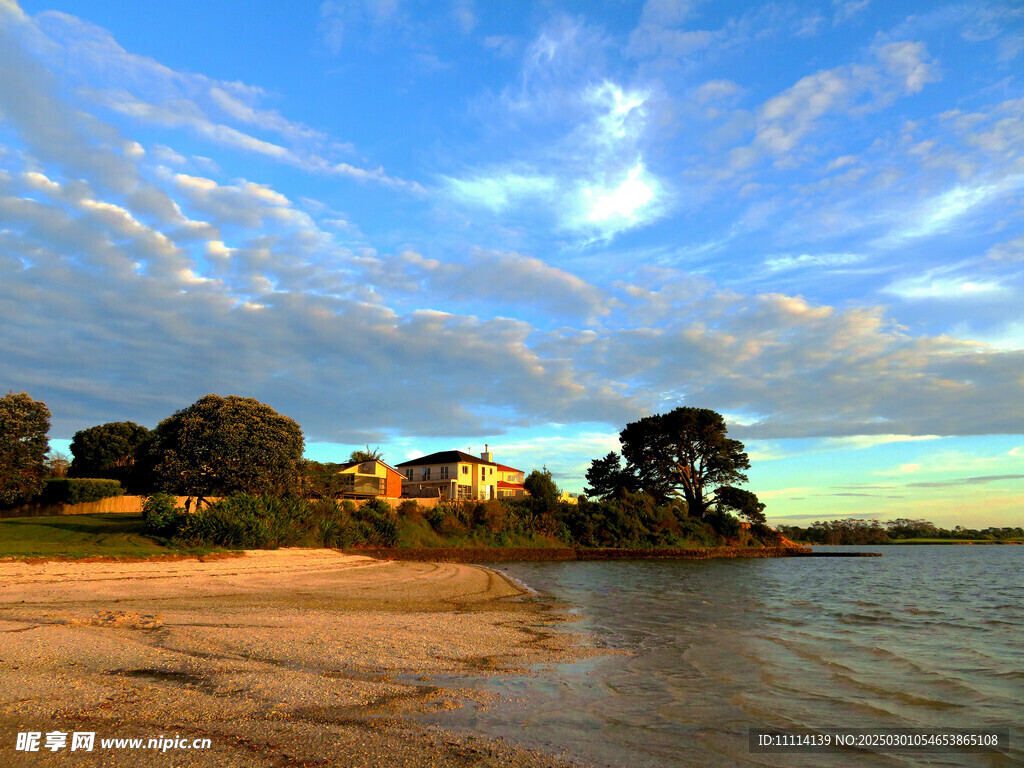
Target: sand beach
x=279, y=658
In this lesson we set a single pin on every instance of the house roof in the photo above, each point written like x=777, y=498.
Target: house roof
x=504, y=484
x=507, y=468
x=446, y=457
x=350, y=464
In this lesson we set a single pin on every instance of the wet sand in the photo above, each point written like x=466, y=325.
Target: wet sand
x=280, y=658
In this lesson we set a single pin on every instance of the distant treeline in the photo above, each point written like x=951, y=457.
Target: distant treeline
x=859, y=531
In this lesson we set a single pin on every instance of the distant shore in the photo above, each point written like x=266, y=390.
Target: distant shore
x=286, y=657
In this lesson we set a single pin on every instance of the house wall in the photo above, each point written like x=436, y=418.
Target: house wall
x=490, y=478
x=393, y=483
x=470, y=477
x=435, y=472
x=512, y=477
x=394, y=486
x=374, y=468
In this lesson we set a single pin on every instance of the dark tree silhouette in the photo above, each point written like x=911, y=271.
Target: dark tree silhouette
x=686, y=453
x=24, y=424
x=219, y=445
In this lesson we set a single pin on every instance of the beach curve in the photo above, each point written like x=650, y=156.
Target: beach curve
x=284, y=657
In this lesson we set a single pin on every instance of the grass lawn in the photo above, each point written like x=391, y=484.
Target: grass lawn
x=79, y=536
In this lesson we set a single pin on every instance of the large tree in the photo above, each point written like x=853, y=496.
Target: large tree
x=107, y=450
x=219, y=445
x=24, y=423
x=685, y=452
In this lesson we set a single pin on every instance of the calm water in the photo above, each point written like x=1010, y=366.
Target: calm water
x=925, y=636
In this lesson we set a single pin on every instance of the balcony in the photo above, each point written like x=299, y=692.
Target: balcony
x=362, y=485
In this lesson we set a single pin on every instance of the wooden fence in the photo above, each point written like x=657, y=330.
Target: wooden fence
x=118, y=505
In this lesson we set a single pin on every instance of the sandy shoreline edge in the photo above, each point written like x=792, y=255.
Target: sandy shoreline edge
x=280, y=658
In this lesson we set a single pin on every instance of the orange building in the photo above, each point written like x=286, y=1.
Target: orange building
x=370, y=479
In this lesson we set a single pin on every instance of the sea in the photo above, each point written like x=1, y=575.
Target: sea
x=929, y=638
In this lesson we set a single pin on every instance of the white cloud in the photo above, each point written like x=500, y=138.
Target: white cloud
x=847, y=9
x=940, y=212
x=500, y=190
x=862, y=442
x=1011, y=250
x=908, y=61
x=592, y=180
x=784, y=120
x=932, y=285
x=619, y=206
x=716, y=90
x=789, y=261
x=496, y=278
x=145, y=90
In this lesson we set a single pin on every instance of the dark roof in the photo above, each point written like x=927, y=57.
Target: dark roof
x=446, y=457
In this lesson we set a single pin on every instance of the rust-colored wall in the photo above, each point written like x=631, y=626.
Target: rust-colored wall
x=394, y=487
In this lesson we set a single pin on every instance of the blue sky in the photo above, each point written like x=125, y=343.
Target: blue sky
x=424, y=226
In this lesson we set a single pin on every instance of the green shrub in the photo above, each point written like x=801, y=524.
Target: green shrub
x=267, y=522
x=491, y=515
x=410, y=510
x=435, y=516
x=725, y=524
x=160, y=514
x=694, y=532
x=377, y=507
x=78, y=490
x=385, y=531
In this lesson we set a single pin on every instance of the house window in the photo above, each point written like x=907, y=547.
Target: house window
x=465, y=492
x=465, y=469
x=483, y=473
x=444, y=473
x=408, y=474
x=492, y=470
x=426, y=474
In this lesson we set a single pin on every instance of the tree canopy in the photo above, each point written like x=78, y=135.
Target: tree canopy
x=24, y=424
x=320, y=480
x=107, y=450
x=609, y=479
x=219, y=445
x=541, y=487
x=743, y=503
x=686, y=453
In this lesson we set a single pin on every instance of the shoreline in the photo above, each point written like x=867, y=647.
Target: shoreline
x=557, y=554
x=284, y=657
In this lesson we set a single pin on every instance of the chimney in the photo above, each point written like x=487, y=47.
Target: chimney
x=487, y=455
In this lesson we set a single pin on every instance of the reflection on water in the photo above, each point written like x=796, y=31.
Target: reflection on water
x=926, y=637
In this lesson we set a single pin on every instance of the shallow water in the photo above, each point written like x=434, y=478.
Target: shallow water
x=923, y=637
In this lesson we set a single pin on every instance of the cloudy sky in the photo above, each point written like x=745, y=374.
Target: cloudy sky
x=434, y=225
